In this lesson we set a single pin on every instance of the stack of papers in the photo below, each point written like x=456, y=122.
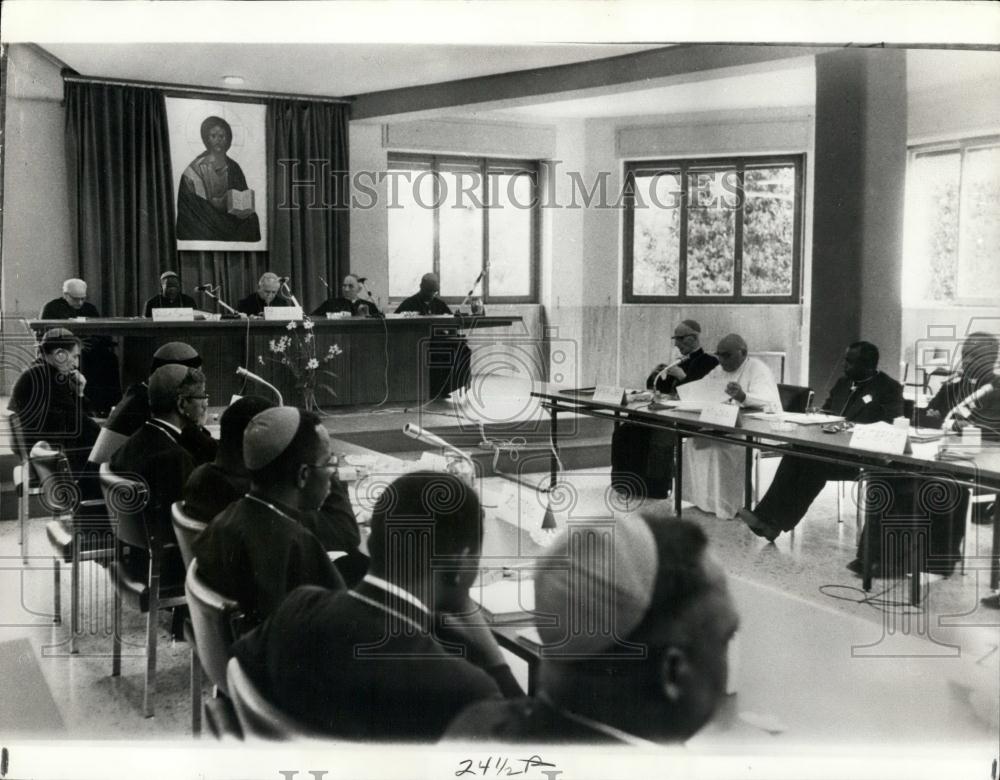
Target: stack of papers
x=799, y=418
x=508, y=600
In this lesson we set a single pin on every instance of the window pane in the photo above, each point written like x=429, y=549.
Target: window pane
x=768, y=230
x=510, y=234
x=461, y=240
x=656, y=237
x=411, y=234
x=711, y=232
x=931, y=241
x=979, y=237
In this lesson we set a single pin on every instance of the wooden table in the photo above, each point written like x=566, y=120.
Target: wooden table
x=381, y=358
x=977, y=467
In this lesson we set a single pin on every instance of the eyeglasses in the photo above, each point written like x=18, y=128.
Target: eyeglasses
x=725, y=355
x=681, y=338
x=330, y=465
x=195, y=397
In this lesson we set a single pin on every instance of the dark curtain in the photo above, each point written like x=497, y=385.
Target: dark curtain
x=308, y=222
x=121, y=192
x=234, y=273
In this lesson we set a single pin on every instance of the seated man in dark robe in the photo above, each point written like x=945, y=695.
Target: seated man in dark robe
x=98, y=360
x=212, y=487
x=170, y=296
x=380, y=662
x=351, y=301
x=156, y=453
x=266, y=295
x=133, y=411
x=862, y=395
x=661, y=673
x=426, y=301
x=642, y=459
x=259, y=549
x=49, y=398
x=448, y=358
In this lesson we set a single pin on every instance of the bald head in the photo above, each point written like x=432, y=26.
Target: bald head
x=732, y=351
x=75, y=292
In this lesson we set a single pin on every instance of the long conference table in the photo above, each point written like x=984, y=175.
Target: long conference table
x=380, y=360
x=976, y=466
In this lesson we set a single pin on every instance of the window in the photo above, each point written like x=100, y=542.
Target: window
x=721, y=230
x=455, y=216
x=952, y=241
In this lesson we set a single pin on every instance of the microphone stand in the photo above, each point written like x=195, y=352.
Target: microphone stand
x=211, y=294
x=286, y=288
x=260, y=380
x=472, y=291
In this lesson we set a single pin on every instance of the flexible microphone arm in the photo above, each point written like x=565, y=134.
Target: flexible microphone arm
x=207, y=290
x=251, y=375
x=418, y=433
x=291, y=295
x=964, y=407
x=475, y=284
x=663, y=371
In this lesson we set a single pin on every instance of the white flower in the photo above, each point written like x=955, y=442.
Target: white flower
x=279, y=346
x=260, y=358
x=334, y=351
x=291, y=325
x=307, y=338
x=313, y=363
x=308, y=324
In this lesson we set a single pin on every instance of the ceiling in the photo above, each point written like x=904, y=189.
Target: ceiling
x=331, y=70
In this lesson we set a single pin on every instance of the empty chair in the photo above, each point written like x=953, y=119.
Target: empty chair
x=216, y=624
x=127, y=502
x=259, y=718
x=186, y=529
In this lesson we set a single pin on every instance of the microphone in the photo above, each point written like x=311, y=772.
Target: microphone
x=203, y=288
x=418, y=433
x=663, y=372
x=283, y=279
x=324, y=283
x=361, y=279
x=252, y=376
x=964, y=407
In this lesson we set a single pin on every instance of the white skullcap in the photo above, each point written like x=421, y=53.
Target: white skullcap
x=269, y=434
x=603, y=592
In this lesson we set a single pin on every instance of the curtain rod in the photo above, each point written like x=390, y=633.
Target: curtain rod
x=215, y=91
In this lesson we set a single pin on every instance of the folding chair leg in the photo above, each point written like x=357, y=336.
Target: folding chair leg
x=57, y=591
x=74, y=598
x=195, y=693
x=25, y=513
x=151, y=626
x=116, y=639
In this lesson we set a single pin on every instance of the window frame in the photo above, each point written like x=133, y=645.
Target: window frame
x=683, y=166
x=437, y=163
x=962, y=146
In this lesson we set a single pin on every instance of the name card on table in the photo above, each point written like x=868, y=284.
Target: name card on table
x=180, y=314
x=282, y=312
x=609, y=394
x=720, y=414
x=880, y=437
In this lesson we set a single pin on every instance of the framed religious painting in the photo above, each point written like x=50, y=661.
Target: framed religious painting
x=218, y=158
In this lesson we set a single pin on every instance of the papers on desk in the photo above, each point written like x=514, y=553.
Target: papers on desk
x=799, y=418
x=510, y=600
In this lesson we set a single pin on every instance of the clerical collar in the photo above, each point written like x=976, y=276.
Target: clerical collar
x=595, y=725
x=273, y=508
x=395, y=590
x=855, y=383
x=160, y=422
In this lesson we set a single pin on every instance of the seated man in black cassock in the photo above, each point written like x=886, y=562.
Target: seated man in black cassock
x=212, y=487
x=380, y=662
x=267, y=295
x=170, y=296
x=862, y=395
x=426, y=300
x=259, y=549
x=156, y=453
x=98, y=360
x=133, y=411
x=642, y=456
x=49, y=398
x=350, y=301
x=658, y=676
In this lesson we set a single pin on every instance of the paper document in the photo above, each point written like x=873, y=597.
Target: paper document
x=511, y=594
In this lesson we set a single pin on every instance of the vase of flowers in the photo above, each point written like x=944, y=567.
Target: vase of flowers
x=296, y=351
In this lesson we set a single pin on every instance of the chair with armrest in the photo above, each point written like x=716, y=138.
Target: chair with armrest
x=216, y=622
x=794, y=398
x=186, y=530
x=139, y=526
x=259, y=718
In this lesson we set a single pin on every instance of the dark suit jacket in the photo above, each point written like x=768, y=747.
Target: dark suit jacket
x=49, y=409
x=359, y=307
x=256, y=556
x=254, y=306
x=879, y=399
x=695, y=366
x=423, y=306
x=984, y=412
x=156, y=453
x=334, y=660
x=58, y=309
x=159, y=302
